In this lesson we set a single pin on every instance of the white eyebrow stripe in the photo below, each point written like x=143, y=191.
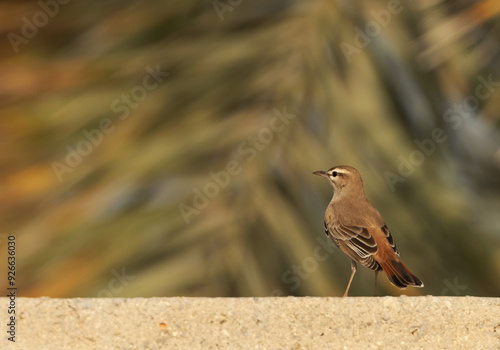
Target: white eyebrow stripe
x=340, y=171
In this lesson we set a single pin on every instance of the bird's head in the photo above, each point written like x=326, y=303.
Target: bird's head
x=344, y=179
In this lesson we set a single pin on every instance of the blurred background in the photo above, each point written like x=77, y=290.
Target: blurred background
x=166, y=148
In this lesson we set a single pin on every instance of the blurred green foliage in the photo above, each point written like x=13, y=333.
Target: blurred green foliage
x=117, y=117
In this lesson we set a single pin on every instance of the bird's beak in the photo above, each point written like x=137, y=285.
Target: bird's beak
x=320, y=173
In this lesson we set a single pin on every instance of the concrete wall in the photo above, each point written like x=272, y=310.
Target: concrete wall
x=254, y=323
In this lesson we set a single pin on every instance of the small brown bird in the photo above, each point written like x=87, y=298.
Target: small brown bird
x=358, y=229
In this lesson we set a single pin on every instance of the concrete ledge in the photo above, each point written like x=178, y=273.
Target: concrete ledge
x=255, y=323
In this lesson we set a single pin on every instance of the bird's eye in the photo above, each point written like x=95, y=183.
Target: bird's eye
x=334, y=174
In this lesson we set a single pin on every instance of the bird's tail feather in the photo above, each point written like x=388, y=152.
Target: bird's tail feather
x=399, y=275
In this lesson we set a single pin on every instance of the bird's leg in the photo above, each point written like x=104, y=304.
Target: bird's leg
x=375, y=292
x=353, y=269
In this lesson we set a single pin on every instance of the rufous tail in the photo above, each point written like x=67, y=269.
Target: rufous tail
x=399, y=275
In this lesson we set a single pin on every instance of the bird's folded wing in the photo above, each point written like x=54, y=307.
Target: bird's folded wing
x=356, y=238
x=388, y=235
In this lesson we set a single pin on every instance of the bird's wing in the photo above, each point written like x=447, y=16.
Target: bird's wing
x=389, y=238
x=360, y=243
x=361, y=239
x=327, y=231
x=356, y=239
